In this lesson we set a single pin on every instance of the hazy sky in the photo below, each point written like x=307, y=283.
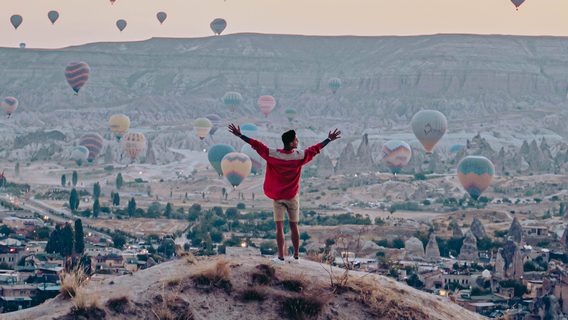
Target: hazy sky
x=83, y=21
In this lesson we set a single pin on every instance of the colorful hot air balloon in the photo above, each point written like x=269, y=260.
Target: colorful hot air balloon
x=121, y=24
x=232, y=99
x=396, y=155
x=266, y=104
x=94, y=142
x=134, y=143
x=517, y=3
x=79, y=154
x=216, y=154
x=202, y=127
x=112, y=2
x=10, y=104
x=236, y=167
x=119, y=124
x=256, y=159
x=334, y=84
x=475, y=174
x=456, y=148
x=53, y=16
x=16, y=20
x=290, y=114
x=77, y=74
x=162, y=16
x=218, y=25
x=429, y=127
x=248, y=129
x=216, y=121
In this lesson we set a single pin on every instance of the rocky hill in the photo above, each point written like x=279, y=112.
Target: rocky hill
x=214, y=288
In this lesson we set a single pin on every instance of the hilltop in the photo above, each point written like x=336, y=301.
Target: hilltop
x=181, y=289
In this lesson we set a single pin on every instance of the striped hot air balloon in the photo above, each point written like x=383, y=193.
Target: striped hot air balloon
x=218, y=25
x=79, y=154
x=232, y=99
x=119, y=125
x=134, y=143
x=256, y=159
x=266, y=104
x=475, y=174
x=429, y=127
x=216, y=154
x=249, y=129
x=216, y=121
x=236, y=167
x=77, y=74
x=202, y=127
x=334, y=84
x=94, y=143
x=161, y=16
x=10, y=104
x=396, y=155
x=290, y=114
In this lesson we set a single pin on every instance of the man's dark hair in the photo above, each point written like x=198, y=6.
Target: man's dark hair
x=288, y=137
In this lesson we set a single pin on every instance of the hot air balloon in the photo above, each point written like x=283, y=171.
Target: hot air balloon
x=79, y=154
x=119, y=124
x=112, y=2
x=53, y=16
x=161, y=16
x=216, y=154
x=134, y=143
x=266, y=104
x=249, y=129
x=94, y=142
x=236, y=167
x=202, y=127
x=218, y=25
x=16, y=20
x=232, y=99
x=10, y=104
x=256, y=159
x=290, y=114
x=429, y=127
x=517, y=3
x=456, y=148
x=334, y=84
x=121, y=24
x=396, y=155
x=77, y=74
x=475, y=174
x=22, y=45
x=216, y=121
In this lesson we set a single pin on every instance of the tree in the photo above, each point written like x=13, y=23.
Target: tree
x=268, y=248
x=63, y=180
x=154, y=209
x=562, y=209
x=167, y=248
x=131, y=207
x=73, y=200
x=398, y=243
x=194, y=212
x=96, y=208
x=96, y=190
x=208, y=245
x=116, y=199
x=304, y=236
x=17, y=169
x=119, y=181
x=168, y=211
x=74, y=178
x=67, y=240
x=231, y=213
x=5, y=230
x=519, y=288
x=79, y=237
x=53, y=245
x=414, y=281
x=118, y=240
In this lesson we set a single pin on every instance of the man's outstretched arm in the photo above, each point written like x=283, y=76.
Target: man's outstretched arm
x=313, y=151
x=258, y=146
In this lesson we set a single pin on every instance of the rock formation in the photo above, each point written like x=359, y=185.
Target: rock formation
x=414, y=248
x=469, y=248
x=346, y=160
x=509, y=262
x=432, y=250
x=456, y=230
x=516, y=231
x=478, y=229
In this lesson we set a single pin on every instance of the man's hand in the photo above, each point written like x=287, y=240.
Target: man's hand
x=336, y=134
x=236, y=130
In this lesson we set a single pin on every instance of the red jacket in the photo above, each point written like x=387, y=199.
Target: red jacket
x=283, y=168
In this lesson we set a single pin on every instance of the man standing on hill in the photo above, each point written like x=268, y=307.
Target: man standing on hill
x=282, y=181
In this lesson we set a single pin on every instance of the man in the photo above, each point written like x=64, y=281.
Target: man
x=282, y=181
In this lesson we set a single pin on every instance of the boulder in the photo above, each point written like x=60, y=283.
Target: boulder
x=414, y=249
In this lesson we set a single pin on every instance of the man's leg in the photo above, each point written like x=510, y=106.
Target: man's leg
x=280, y=238
x=295, y=234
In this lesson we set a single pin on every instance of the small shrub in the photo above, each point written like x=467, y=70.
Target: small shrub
x=261, y=279
x=301, y=307
x=217, y=277
x=71, y=281
x=118, y=305
x=253, y=294
x=292, y=285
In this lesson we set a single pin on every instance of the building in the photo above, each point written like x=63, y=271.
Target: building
x=16, y=297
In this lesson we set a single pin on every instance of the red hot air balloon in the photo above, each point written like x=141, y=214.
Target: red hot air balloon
x=77, y=74
x=266, y=104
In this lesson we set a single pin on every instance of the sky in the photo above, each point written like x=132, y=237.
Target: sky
x=86, y=21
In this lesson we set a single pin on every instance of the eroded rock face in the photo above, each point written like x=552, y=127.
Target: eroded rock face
x=469, y=248
x=414, y=248
x=457, y=231
x=510, y=261
x=345, y=161
x=324, y=166
x=516, y=231
x=432, y=250
x=478, y=229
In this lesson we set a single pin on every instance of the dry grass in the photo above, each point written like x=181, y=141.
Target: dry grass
x=71, y=282
x=85, y=307
x=216, y=277
x=302, y=307
x=118, y=305
x=265, y=275
x=171, y=307
x=253, y=294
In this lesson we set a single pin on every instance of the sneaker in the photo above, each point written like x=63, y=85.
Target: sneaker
x=278, y=261
x=293, y=260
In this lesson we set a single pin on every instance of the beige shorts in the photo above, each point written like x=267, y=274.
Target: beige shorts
x=291, y=206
